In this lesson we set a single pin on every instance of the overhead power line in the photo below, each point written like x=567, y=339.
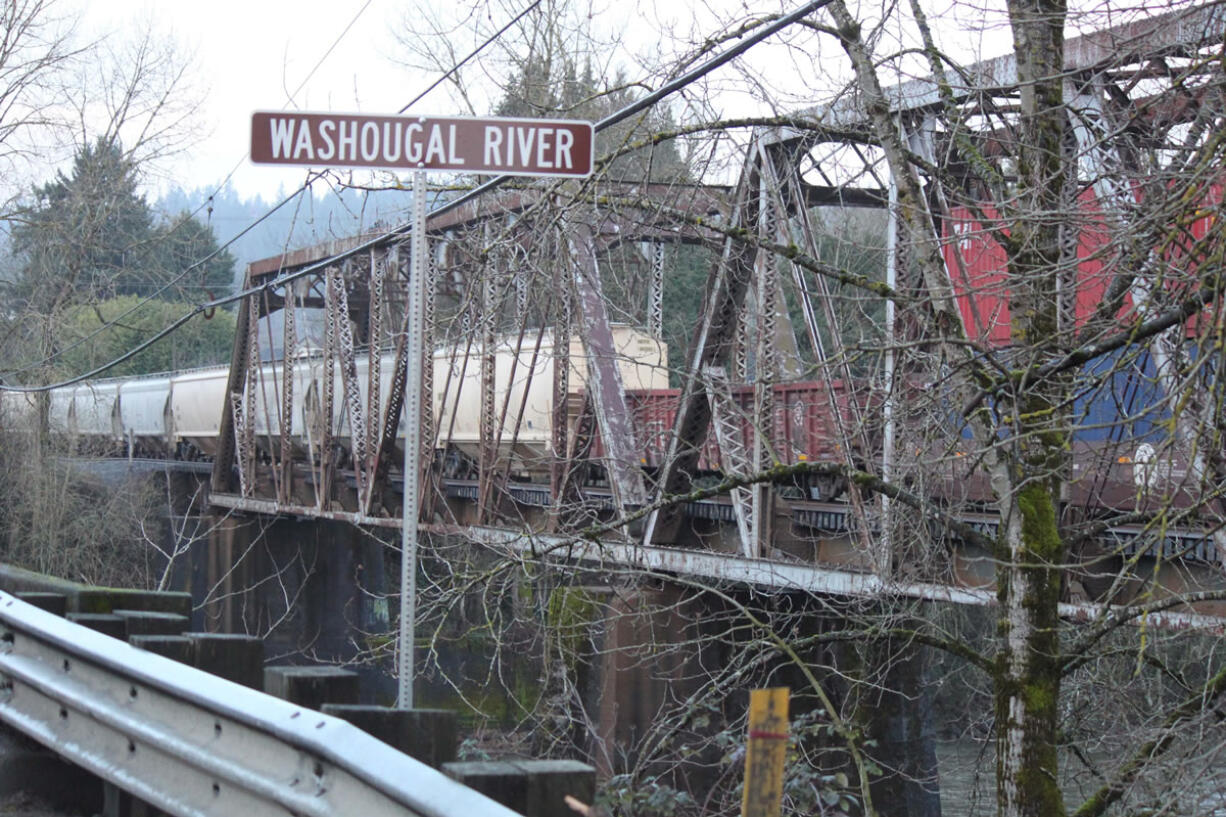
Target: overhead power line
x=404, y=229
x=471, y=55
x=311, y=177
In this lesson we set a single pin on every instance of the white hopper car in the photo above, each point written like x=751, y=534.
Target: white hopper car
x=179, y=415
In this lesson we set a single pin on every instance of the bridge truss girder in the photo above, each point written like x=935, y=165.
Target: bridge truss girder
x=786, y=176
x=482, y=260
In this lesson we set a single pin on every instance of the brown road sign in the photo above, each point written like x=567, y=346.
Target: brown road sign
x=519, y=147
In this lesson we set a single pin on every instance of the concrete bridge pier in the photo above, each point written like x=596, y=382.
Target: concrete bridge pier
x=316, y=590
x=889, y=699
x=664, y=672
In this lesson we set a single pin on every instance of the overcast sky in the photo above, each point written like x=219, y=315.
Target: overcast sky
x=267, y=55
x=339, y=55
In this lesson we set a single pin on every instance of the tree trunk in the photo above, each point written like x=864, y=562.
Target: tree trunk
x=1027, y=682
x=1028, y=479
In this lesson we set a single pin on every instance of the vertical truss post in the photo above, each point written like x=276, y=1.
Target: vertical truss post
x=767, y=369
x=289, y=357
x=520, y=281
x=338, y=310
x=560, y=467
x=374, y=373
x=222, y=479
x=777, y=336
x=323, y=488
x=740, y=345
x=655, y=292
x=487, y=464
x=604, y=376
x=395, y=396
x=244, y=407
x=712, y=346
x=428, y=432
x=727, y=422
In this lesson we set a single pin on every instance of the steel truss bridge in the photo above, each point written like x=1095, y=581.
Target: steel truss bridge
x=529, y=268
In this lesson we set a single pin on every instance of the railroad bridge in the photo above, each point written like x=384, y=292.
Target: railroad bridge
x=549, y=406
x=795, y=441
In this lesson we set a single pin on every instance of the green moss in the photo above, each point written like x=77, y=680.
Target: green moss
x=1039, y=697
x=1040, y=533
x=569, y=615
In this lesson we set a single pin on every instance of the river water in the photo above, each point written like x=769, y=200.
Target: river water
x=968, y=784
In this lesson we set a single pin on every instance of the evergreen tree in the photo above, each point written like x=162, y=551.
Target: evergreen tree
x=549, y=84
x=82, y=231
x=128, y=321
x=90, y=235
x=184, y=242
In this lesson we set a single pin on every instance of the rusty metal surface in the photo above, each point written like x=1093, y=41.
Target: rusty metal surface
x=342, y=332
x=390, y=421
x=712, y=346
x=793, y=576
x=559, y=430
x=604, y=377
x=733, y=458
x=489, y=340
x=428, y=420
x=1180, y=31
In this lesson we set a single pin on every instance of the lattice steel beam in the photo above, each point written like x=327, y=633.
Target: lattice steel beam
x=713, y=343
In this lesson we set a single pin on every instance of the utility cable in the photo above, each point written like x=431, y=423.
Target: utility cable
x=471, y=54
x=311, y=178
x=221, y=248
x=404, y=229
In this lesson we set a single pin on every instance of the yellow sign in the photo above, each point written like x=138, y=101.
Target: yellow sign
x=765, y=752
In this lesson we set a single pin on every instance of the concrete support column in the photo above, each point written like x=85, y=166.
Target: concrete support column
x=428, y=735
x=893, y=708
x=536, y=787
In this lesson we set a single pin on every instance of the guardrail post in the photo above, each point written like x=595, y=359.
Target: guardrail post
x=118, y=803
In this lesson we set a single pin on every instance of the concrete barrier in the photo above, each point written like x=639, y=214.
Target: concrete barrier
x=535, y=787
x=428, y=735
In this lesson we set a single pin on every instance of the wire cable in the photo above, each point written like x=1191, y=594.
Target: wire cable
x=472, y=54
x=405, y=229
x=221, y=248
x=311, y=178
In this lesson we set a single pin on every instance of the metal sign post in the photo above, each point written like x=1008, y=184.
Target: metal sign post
x=502, y=145
x=414, y=352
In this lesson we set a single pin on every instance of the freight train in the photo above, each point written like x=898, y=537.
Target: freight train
x=178, y=415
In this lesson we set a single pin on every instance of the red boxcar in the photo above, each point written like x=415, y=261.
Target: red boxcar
x=804, y=427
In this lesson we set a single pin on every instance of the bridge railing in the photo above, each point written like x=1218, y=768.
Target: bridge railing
x=190, y=743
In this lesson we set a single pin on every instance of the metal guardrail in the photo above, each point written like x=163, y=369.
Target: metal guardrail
x=191, y=743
